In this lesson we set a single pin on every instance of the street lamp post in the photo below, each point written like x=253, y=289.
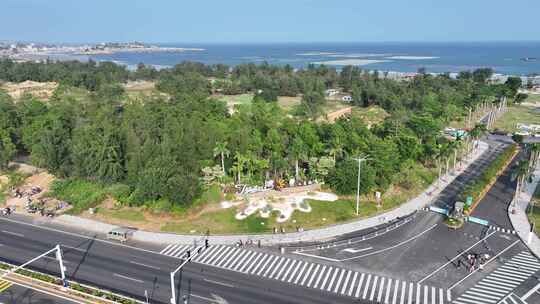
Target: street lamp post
x=359, y=160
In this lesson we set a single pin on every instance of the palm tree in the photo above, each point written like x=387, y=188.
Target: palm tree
x=521, y=173
x=239, y=166
x=221, y=150
x=534, y=150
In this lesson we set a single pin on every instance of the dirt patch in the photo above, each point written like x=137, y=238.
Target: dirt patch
x=41, y=181
x=41, y=90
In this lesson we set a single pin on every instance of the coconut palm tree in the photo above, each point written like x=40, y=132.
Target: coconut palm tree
x=521, y=173
x=239, y=165
x=222, y=151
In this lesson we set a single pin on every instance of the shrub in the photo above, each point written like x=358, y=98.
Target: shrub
x=490, y=173
x=80, y=194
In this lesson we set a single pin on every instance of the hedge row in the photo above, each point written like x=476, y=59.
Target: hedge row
x=476, y=188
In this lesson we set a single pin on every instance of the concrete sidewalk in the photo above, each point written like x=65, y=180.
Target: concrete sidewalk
x=519, y=218
x=419, y=202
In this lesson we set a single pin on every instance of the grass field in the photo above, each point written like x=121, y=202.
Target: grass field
x=518, y=114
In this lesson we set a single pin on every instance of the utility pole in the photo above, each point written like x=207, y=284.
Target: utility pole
x=359, y=160
x=189, y=255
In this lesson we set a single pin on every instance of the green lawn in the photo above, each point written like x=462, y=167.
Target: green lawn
x=219, y=222
x=518, y=114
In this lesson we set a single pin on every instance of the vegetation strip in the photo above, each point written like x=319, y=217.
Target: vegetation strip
x=481, y=185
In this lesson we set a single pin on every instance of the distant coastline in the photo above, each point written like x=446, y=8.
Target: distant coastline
x=506, y=58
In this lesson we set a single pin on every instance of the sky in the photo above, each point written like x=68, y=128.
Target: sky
x=256, y=21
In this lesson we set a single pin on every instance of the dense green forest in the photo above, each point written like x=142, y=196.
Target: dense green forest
x=169, y=147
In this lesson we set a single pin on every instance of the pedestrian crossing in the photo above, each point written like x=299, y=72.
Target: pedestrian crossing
x=500, y=283
x=4, y=285
x=329, y=278
x=512, y=299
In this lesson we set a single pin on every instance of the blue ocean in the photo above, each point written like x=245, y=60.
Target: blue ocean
x=512, y=58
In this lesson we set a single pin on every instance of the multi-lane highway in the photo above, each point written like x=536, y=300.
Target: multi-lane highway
x=133, y=271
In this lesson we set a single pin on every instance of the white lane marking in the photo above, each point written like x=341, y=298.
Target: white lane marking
x=455, y=258
x=352, y=250
x=317, y=256
x=391, y=247
x=530, y=292
x=145, y=265
x=489, y=261
x=13, y=233
x=219, y=283
x=128, y=278
x=216, y=299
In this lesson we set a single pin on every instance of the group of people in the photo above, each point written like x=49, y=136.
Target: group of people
x=6, y=211
x=475, y=261
x=240, y=243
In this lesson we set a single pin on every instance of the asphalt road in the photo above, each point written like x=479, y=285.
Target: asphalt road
x=133, y=271
x=427, y=251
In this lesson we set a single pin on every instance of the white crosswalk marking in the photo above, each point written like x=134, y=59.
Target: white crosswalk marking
x=343, y=281
x=299, y=276
x=353, y=281
x=357, y=294
x=344, y=287
x=313, y=275
x=367, y=287
x=497, y=286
